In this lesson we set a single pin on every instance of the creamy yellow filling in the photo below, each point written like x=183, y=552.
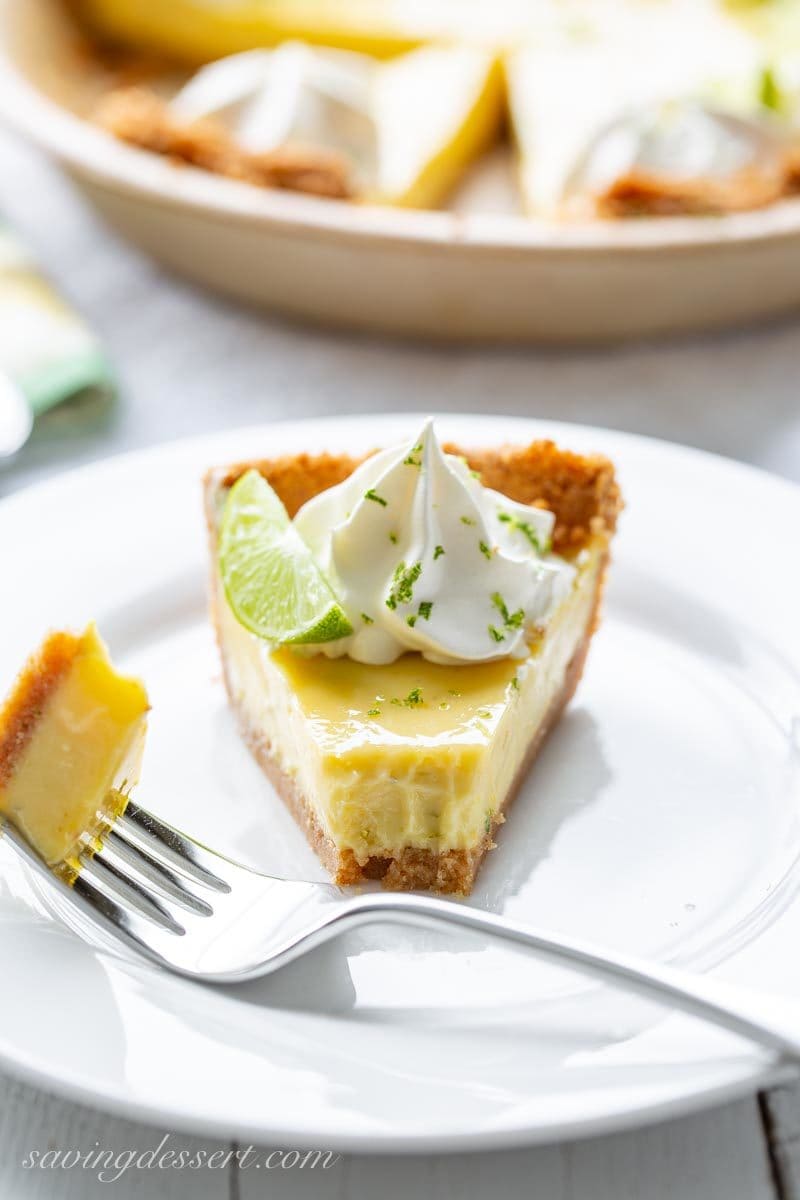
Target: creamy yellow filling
x=201, y=30
x=409, y=754
x=74, y=772
x=436, y=110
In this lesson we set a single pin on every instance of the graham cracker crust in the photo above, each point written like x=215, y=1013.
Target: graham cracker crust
x=581, y=491
x=141, y=117
x=638, y=194
x=34, y=686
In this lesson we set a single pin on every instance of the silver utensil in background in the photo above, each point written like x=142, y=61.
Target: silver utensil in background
x=16, y=417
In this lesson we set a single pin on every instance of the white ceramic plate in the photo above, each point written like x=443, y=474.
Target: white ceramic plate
x=479, y=271
x=661, y=818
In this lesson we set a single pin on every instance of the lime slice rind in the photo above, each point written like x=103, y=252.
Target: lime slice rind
x=272, y=583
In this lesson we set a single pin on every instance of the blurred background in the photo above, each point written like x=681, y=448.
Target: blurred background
x=529, y=243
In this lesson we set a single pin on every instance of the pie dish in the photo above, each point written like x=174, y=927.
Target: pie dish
x=402, y=771
x=71, y=740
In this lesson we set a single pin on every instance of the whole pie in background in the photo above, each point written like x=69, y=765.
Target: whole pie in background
x=614, y=108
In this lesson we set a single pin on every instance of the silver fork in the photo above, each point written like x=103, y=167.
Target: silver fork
x=189, y=909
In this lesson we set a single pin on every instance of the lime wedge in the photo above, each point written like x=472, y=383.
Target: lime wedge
x=272, y=583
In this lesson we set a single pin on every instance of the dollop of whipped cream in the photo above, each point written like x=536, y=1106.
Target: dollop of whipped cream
x=294, y=95
x=683, y=140
x=423, y=557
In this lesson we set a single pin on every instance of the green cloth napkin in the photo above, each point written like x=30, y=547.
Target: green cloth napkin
x=46, y=348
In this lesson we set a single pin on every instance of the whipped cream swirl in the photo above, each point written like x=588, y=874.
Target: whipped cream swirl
x=294, y=95
x=680, y=140
x=423, y=557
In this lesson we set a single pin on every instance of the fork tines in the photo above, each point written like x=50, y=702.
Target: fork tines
x=144, y=865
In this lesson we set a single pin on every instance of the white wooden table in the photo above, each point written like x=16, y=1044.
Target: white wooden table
x=189, y=363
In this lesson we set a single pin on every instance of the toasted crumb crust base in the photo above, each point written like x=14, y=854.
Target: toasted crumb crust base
x=583, y=493
x=638, y=193
x=35, y=685
x=142, y=118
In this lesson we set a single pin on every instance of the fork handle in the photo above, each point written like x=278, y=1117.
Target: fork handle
x=764, y=1019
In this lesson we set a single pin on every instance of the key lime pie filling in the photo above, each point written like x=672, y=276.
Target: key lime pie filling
x=465, y=587
x=71, y=740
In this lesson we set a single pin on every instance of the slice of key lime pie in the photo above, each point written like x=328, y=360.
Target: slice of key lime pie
x=399, y=633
